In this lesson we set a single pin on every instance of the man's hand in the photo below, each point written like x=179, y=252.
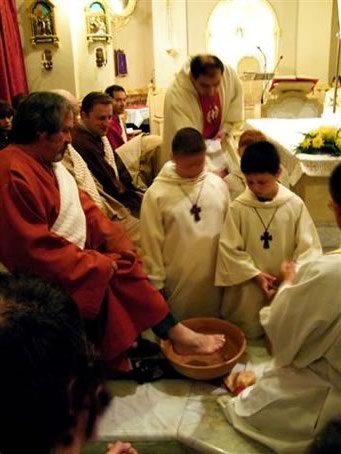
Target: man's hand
x=123, y=262
x=114, y=267
x=267, y=284
x=222, y=173
x=220, y=135
x=288, y=271
x=120, y=448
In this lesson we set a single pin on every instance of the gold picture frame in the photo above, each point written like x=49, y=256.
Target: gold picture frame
x=42, y=21
x=98, y=21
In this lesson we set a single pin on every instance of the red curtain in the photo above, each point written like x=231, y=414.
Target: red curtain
x=12, y=68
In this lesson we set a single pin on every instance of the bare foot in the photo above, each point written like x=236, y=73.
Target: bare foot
x=188, y=342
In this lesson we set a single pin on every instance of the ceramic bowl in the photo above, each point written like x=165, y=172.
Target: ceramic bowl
x=208, y=367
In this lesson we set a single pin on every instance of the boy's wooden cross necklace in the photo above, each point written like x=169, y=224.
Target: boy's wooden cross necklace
x=195, y=208
x=266, y=236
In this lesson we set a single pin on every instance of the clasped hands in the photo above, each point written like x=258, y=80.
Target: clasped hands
x=269, y=284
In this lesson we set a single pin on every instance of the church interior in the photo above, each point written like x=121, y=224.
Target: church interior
x=286, y=55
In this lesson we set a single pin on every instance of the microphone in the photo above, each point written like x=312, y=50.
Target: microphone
x=264, y=57
x=269, y=80
x=264, y=71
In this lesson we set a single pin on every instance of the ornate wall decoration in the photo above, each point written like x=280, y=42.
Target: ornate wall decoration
x=121, y=12
x=42, y=19
x=97, y=22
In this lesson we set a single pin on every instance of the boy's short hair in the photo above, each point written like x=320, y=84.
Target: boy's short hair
x=260, y=157
x=251, y=136
x=188, y=141
x=335, y=185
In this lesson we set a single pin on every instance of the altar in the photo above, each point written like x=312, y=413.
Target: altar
x=307, y=174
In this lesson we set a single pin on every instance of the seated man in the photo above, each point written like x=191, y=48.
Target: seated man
x=301, y=389
x=76, y=165
x=49, y=228
x=90, y=140
x=50, y=391
x=206, y=95
x=141, y=153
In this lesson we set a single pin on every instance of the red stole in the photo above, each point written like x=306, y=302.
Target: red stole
x=115, y=133
x=211, y=111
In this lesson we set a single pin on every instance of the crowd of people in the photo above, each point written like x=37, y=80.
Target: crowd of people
x=125, y=235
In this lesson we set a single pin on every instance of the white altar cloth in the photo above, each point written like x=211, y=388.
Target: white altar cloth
x=286, y=134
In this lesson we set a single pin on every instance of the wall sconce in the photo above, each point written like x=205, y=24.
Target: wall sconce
x=100, y=57
x=46, y=60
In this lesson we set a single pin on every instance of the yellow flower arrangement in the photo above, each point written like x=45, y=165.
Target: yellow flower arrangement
x=324, y=140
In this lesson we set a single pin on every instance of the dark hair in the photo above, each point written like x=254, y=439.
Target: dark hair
x=114, y=89
x=205, y=65
x=17, y=99
x=328, y=441
x=260, y=157
x=93, y=98
x=335, y=185
x=6, y=109
x=188, y=141
x=45, y=378
x=39, y=112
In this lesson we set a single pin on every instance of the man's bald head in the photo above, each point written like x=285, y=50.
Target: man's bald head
x=69, y=97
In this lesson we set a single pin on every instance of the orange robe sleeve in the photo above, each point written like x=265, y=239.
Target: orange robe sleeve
x=27, y=245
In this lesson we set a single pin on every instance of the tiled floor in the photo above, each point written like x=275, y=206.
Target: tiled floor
x=175, y=416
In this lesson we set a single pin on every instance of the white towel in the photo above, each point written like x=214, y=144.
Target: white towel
x=71, y=222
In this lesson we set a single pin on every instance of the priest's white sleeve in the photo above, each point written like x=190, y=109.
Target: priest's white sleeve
x=152, y=239
x=301, y=315
x=234, y=264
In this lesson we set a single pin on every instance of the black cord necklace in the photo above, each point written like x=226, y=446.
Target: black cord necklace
x=195, y=208
x=266, y=236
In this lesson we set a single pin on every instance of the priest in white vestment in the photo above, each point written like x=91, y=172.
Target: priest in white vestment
x=301, y=389
x=180, y=245
x=208, y=96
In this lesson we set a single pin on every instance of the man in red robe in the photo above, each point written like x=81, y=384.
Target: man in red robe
x=50, y=229
x=117, y=134
x=141, y=153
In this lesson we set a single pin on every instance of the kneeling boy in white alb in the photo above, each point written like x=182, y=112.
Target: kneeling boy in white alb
x=265, y=225
x=182, y=216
